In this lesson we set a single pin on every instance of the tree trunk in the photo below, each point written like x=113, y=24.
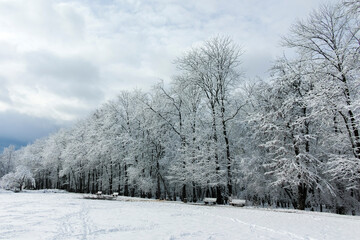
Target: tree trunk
x=183, y=193
x=302, y=193
x=111, y=178
x=158, y=188
x=126, y=184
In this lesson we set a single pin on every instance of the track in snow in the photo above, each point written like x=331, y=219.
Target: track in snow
x=61, y=216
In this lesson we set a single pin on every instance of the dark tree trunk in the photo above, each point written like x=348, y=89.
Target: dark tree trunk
x=183, y=193
x=227, y=146
x=93, y=182
x=126, y=184
x=80, y=183
x=158, y=188
x=119, y=172
x=194, y=199
x=229, y=161
x=111, y=178
x=302, y=194
x=97, y=180
x=219, y=197
x=88, y=182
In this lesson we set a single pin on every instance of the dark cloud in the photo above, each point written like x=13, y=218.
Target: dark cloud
x=17, y=127
x=6, y=142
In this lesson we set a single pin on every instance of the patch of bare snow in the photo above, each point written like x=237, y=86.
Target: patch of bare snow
x=68, y=216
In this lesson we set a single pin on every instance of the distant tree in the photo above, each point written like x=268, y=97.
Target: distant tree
x=54, y=146
x=19, y=179
x=7, y=160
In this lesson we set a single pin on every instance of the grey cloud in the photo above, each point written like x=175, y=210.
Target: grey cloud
x=66, y=68
x=4, y=92
x=24, y=127
x=65, y=76
x=257, y=64
x=75, y=110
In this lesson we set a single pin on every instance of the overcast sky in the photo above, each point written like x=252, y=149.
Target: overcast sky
x=60, y=59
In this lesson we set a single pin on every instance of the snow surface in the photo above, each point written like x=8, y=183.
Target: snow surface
x=58, y=215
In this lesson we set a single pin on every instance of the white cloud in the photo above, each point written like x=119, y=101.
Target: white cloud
x=62, y=58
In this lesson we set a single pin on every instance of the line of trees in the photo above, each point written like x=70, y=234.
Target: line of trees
x=292, y=140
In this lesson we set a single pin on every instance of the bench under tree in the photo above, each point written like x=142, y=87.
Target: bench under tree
x=237, y=202
x=210, y=200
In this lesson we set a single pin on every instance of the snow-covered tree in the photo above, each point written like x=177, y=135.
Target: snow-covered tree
x=7, y=160
x=19, y=179
x=329, y=40
x=213, y=67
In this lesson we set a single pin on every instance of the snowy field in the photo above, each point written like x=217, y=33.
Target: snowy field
x=35, y=215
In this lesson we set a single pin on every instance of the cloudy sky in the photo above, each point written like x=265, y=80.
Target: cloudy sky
x=60, y=59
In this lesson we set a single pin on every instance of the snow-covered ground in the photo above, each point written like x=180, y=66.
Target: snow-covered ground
x=38, y=215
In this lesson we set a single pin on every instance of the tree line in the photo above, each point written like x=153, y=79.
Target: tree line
x=290, y=141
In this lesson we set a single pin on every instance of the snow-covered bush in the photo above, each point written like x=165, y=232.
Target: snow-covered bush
x=19, y=179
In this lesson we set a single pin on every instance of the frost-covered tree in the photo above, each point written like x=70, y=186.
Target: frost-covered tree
x=353, y=6
x=329, y=40
x=54, y=146
x=213, y=67
x=19, y=179
x=7, y=160
x=285, y=121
